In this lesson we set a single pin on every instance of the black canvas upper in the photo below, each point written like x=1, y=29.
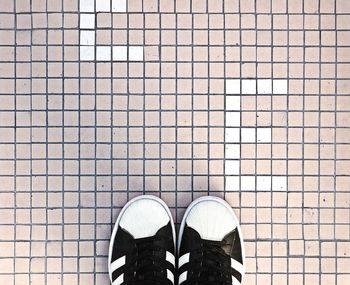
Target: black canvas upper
x=210, y=261
x=145, y=258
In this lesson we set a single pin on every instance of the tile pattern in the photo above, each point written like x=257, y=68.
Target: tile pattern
x=79, y=136
x=237, y=135
x=90, y=49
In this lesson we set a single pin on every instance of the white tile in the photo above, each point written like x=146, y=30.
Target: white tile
x=232, y=135
x=232, y=151
x=87, y=53
x=87, y=21
x=280, y=86
x=248, y=86
x=279, y=183
x=263, y=135
x=232, y=167
x=233, y=103
x=118, y=5
x=136, y=53
x=233, y=86
x=248, y=183
x=232, y=183
x=87, y=6
x=264, y=86
x=120, y=53
x=233, y=119
x=103, y=6
x=87, y=38
x=263, y=183
x=103, y=53
x=248, y=134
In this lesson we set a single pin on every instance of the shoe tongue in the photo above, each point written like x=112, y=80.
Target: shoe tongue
x=164, y=238
x=191, y=241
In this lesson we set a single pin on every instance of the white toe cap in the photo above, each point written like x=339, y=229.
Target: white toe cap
x=213, y=219
x=144, y=217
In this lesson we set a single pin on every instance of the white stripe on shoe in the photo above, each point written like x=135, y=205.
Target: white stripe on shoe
x=117, y=263
x=119, y=280
x=170, y=258
x=182, y=277
x=170, y=276
x=237, y=266
x=235, y=281
x=184, y=259
x=234, y=264
x=121, y=261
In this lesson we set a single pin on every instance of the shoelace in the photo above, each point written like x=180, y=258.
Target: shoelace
x=148, y=267
x=210, y=267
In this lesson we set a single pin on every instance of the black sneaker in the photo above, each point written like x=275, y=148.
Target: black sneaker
x=142, y=246
x=210, y=245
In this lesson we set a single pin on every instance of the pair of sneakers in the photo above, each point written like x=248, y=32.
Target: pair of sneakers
x=143, y=244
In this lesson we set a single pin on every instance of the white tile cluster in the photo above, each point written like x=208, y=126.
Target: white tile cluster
x=87, y=5
x=264, y=86
x=87, y=29
x=118, y=6
x=103, y=53
x=232, y=135
x=249, y=86
x=233, y=119
x=235, y=134
x=233, y=103
x=256, y=183
x=87, y=53
x=88, y=49
x=121, y=53
x=248, y=135
x=233, y=151
x=135, y=53
x=87, y=21
x=232, y=167
x=102, y=6
x=280, y=86
x=233, y=86
x=87, y=38
x=279, y=183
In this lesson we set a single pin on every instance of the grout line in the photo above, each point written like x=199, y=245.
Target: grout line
x=303, y=149
x=31, y=153
x=15, y=151
x=160, y=112
x=287, y=139
x=176, y=122
x=270, y=158
x=128, y=105
x=319, y=145
x=144, y=105
x=46, y=144
x=79, y=159
x=62, y=149
x=208, y=99
x=112, y=125
x=96, y=142
x=335, y=144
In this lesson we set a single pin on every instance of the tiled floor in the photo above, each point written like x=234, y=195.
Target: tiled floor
x=103, y=100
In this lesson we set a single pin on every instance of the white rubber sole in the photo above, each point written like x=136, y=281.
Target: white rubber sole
x=116, y=225
x=222, y=202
